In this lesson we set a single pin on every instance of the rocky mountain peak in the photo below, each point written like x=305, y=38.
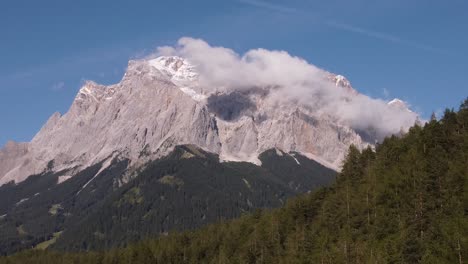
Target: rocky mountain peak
x=176, y=68
x=341, y=81
x=398, y=103
x=158, y=105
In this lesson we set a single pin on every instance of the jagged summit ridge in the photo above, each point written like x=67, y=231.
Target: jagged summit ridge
x=176, y=68
x=159, y=104
x=400, y=104
x=145, y=112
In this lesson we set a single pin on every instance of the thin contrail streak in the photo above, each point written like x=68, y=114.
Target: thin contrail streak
x=346, y=27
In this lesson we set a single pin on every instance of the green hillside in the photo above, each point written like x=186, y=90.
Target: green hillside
x=185, y=190
x=405, y=202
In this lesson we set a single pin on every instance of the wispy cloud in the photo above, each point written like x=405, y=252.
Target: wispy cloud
x=347, y=27
x=58, y=86
x=382, y=36
x=270, y=6
x=68, y=63
x=386, y=93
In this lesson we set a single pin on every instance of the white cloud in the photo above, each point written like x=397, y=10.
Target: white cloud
x=386, y=93
x=290, y=78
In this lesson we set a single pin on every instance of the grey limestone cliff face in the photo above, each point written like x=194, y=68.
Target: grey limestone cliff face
x=159, y=104
x=143, y=116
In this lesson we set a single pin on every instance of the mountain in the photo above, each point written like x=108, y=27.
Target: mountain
x=186, y=189
x=162, y=151
x=159, y=104
x=404, y=202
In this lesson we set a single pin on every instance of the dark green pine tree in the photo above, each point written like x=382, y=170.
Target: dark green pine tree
x=404, y=202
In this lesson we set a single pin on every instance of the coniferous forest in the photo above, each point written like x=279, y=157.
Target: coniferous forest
x=404, y=202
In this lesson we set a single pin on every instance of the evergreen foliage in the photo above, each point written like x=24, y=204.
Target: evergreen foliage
x=185, y=190
x=404, y=202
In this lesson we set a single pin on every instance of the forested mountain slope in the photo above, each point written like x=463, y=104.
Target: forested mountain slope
x=405, y=202
x=100, y=209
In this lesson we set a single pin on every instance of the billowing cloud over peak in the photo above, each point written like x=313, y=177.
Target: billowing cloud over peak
x=235, y=105
x=291, y=78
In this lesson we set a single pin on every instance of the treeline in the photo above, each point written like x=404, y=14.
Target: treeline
x=185, y=190
x=404, y=202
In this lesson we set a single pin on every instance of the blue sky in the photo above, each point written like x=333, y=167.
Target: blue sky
x=415, y=50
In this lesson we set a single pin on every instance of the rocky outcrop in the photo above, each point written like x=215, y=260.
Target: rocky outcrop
x=159, y=104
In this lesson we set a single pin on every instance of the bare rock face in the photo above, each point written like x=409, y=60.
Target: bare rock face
x=159, y=104
x=142, y=117
x=13, y=157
